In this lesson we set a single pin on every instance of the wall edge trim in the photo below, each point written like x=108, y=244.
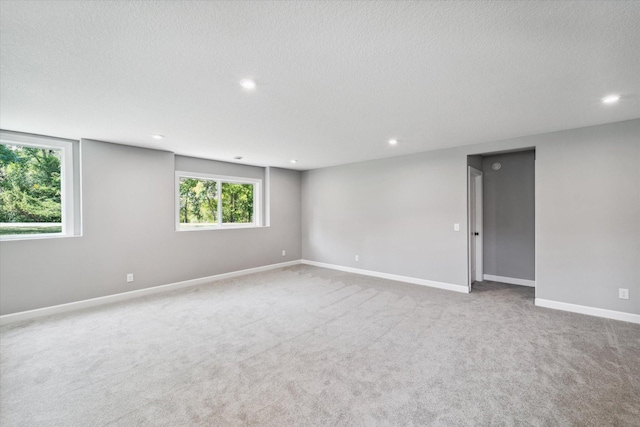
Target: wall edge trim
x=123, y=296
x=591, y=311
x=398, y=278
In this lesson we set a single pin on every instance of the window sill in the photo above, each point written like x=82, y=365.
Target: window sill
x=225, y=227
x=15, y=238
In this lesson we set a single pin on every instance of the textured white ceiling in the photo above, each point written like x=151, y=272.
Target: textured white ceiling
x=336, y=79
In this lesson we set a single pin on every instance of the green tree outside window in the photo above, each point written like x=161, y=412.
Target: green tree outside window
x=30, y=190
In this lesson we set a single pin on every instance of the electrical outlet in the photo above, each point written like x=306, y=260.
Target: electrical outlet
x=284, y=253
x=357, y=257
x=129, y=277
x=623, y=293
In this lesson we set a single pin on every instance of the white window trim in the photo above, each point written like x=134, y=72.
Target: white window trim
x=257, y=200
x=66, y=179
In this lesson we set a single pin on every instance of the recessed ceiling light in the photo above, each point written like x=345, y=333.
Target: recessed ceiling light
x=248, y=84
x=156, y=136
x=393, y=141
x=294, y=161
x=238, y=158
x=611, y=99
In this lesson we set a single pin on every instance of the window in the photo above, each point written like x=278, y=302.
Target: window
x=36, y=186
x=212, y=202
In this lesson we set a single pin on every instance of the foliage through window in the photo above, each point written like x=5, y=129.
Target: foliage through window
x=198, y=201
x=32, y=186
x=207, y=201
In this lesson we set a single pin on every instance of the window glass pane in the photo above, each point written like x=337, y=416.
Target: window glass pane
x=30, y=191
x=237, y=203
x=198, y=203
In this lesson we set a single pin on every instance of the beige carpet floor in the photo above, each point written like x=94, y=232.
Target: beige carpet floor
x=305, y=346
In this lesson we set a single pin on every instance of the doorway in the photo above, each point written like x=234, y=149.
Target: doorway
x=501, y=217
x=475, y=226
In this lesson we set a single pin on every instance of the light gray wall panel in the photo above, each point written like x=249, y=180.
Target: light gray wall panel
x=390, y=212
x=588, y=216
x=128, y=204
x=193, y=164
x=509, y=215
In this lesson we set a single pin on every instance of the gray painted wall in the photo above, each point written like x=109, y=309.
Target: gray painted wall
x=214, y=167
x=588, y=216
x=129, y=228
x=390, y=212
x=509, y=215
x=398, y=214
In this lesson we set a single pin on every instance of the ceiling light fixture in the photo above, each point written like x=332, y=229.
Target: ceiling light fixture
x=294, y=161
x=611, y=99
x=248, y=84
x=157, y=136
x=393, y=142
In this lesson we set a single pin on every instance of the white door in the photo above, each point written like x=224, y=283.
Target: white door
x=472, y=229
x=475, y=226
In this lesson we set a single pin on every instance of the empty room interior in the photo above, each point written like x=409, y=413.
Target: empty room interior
x=280, y=213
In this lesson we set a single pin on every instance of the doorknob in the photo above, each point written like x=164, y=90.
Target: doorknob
x=476, y=233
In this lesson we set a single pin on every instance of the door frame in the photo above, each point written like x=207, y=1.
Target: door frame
x=475, y=175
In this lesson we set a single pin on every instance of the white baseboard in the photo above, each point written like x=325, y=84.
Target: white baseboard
x=591, y=311
x=510, y=280
x=93, y=302
x=413, y=280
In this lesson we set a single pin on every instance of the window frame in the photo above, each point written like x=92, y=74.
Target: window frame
x=219, y=179
x=67, y=196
